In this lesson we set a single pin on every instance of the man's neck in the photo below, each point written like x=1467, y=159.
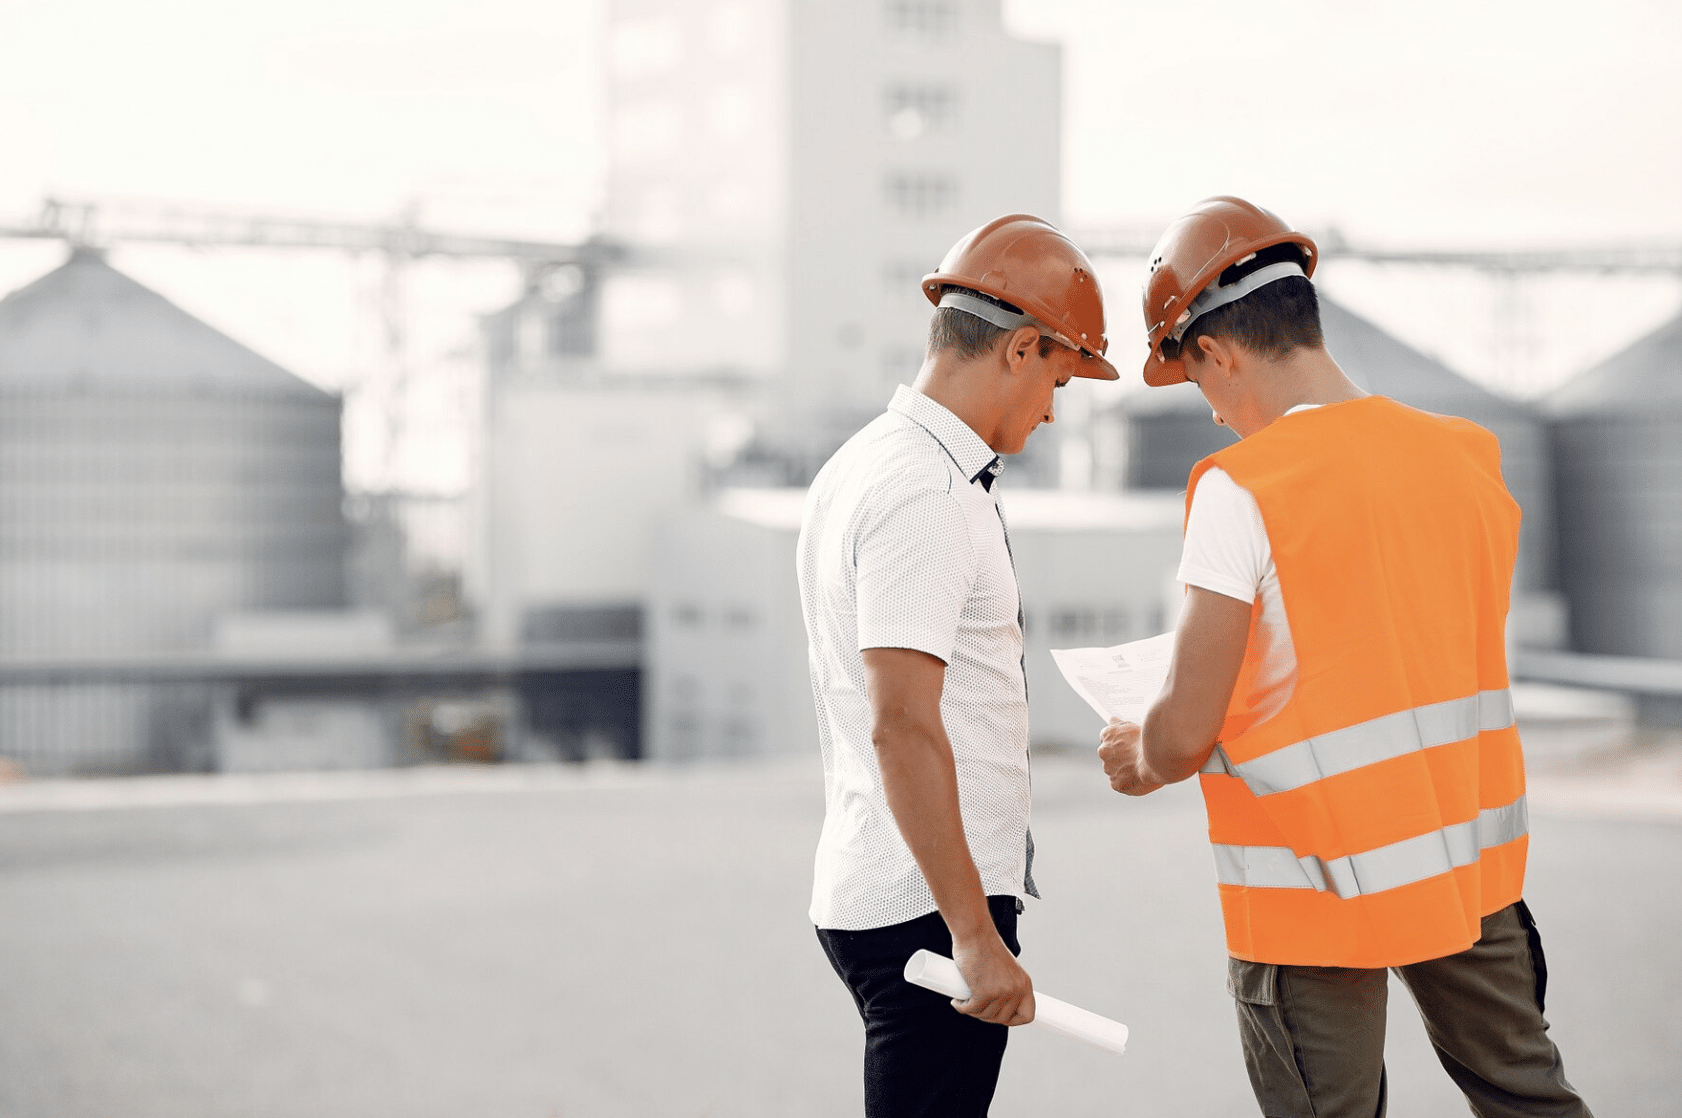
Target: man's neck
x=950, y=381
x=1305, y=376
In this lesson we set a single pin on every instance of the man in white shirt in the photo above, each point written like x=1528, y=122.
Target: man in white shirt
x=914, y=624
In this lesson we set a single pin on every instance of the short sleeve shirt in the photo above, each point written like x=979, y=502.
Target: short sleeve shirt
x=903, y=545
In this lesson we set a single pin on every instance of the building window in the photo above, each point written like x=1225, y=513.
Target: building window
x=730, y=28
x=1084, y=623
x=644, y=47
x=1067, y=624
x=918, y=195
x=686, y=733
x=912, y=111
x=738, y=736
x=1117, y=624
x=728, y=112
x=922, y=19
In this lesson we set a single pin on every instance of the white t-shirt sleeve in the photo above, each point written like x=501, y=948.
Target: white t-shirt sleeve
x=916, y=567
x=1226, y=548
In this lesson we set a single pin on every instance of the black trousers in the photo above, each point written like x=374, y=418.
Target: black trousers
x=922, y=1058
x=1314, y=1036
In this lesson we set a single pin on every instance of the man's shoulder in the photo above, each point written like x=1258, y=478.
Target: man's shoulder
x=890, y=460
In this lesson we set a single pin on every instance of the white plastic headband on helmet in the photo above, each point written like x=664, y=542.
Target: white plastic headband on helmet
x=989, y=311
x=1216, y=296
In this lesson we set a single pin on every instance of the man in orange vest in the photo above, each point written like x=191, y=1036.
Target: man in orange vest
x=1340, y=686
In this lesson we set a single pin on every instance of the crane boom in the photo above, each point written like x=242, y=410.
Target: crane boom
x=100, y=224
x=1138, y=241
x=104, y=223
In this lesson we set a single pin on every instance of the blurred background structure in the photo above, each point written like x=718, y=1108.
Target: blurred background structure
x=162, y=482
x=546, y=508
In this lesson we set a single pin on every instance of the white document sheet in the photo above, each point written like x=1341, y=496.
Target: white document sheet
x=1119, y=682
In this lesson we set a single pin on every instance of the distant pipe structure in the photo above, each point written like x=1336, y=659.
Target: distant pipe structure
x=96, y=224
x=1651, y=259
x=398, y=666
x=1509, y=270
x=100, y=224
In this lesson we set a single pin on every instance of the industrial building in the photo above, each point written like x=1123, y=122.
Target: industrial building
x=1617, y=449
x=781, y=174
x=726, y=655
x=155, y=475
x=181, y=587
x=802, y=166
x=788, y=172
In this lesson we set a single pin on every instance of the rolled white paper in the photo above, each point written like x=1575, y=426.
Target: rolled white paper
x=940, y=974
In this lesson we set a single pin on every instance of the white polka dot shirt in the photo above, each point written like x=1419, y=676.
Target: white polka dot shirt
x=902, y=545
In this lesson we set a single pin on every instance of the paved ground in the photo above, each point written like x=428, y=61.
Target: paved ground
x=548, y=942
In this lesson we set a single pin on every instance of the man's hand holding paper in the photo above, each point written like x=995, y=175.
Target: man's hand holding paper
x=1164, y=697
x=1124, y=761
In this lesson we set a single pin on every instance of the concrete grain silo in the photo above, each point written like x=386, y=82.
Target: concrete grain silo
x=154, y=473
x=1618, y=457
x=1170, y=429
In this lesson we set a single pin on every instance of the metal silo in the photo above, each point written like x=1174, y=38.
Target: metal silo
x=1618, y=456
x=154, y=474
x=1170, y=428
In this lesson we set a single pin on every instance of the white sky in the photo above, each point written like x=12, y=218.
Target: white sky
x=1431, y=121
x=1477, y=122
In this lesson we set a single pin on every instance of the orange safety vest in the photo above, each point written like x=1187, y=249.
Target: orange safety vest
x=1377, y=817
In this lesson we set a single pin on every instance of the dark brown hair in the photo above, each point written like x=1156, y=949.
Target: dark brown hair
x=1271, y=321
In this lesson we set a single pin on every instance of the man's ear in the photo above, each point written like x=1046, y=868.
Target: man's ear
x=1021, y=342
x=1220, y=356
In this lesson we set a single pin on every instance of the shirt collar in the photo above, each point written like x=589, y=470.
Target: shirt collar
x=975, y=459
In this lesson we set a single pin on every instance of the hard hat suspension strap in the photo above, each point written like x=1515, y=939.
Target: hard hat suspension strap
x=1216, y=296
x=989, y=311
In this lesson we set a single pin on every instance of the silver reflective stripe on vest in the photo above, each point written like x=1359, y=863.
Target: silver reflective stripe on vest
x=1373, y=871
x=1368, y=743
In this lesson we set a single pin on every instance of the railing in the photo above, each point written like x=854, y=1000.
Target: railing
x=1637, y=675
x=396, y=667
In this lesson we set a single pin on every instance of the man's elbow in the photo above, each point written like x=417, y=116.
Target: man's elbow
x=896, y=735
x=1175, y=751
x=1173, y=769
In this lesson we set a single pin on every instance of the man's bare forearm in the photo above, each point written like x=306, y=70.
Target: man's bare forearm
x=1183, y=724
x=1169, y=750
x=920, y=781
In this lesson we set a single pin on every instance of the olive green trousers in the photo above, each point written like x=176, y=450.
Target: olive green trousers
x=1313, y=1037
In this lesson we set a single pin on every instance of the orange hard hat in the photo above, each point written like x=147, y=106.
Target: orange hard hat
x=1190, y=257
x=1027, y=263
